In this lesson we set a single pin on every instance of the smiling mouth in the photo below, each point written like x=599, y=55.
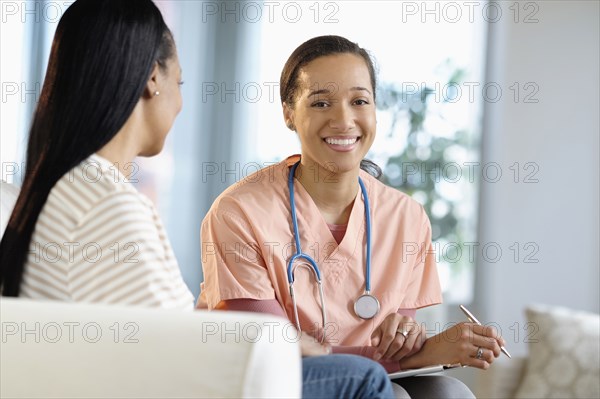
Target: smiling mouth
x=335, y=141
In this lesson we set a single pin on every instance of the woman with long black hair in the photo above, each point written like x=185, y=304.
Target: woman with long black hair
x=79, y=230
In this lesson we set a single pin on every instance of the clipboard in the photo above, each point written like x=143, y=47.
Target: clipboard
x=424, y=370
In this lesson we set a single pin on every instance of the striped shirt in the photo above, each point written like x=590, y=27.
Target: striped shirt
x=99, y=240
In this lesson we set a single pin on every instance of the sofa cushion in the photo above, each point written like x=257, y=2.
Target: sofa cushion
x=564, y=354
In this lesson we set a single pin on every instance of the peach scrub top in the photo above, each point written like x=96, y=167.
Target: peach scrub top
x=247, y=240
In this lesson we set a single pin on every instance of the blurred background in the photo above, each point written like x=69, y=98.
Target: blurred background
x=488, y=114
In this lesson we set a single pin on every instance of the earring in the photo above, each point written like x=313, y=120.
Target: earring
x=156, y=93
x=291, y=126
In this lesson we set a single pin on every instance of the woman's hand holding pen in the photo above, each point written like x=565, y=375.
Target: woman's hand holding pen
x=466, y=343
x=397, y=337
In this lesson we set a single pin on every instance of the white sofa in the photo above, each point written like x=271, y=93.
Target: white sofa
x=8, y=196
x=65, y=350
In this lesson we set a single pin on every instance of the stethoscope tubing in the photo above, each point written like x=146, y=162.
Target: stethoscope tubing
x=299, y=254
x=368, y=228
x=311, y=262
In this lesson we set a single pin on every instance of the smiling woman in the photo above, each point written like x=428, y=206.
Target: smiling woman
x=333, y=113
x=348, y=233
x=412, y=58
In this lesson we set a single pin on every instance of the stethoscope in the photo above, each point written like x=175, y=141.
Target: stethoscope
x=366, y=306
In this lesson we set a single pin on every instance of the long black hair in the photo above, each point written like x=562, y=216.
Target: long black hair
x=312, y=49
x=101, y=59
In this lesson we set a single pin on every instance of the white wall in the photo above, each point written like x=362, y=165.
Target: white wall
x=560, y=54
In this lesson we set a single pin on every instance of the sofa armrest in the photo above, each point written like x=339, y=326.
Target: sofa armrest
x=56, y=349
x=502, y=379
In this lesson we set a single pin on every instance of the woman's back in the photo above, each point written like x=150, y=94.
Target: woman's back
x=98, y=239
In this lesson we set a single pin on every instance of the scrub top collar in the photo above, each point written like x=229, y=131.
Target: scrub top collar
x=314, y=231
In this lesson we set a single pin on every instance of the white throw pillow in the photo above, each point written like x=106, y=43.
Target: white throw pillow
x=564, y=354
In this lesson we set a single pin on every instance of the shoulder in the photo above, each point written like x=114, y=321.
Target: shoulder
x=256, y=196
x=389, y=202
x=92, y=187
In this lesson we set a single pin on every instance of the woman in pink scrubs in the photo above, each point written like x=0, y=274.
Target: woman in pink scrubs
x=328, y=95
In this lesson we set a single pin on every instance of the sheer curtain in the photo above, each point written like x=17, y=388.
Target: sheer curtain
x=26, y=34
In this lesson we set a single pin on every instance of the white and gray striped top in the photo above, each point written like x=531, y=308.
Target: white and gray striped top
x=99, y=240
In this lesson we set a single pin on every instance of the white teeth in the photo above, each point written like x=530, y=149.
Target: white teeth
x=341, y=141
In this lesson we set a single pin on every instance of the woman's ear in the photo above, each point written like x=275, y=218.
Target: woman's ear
x=152, y=86
x=288, y=117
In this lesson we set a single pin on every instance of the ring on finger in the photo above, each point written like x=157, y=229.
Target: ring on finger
x=403, y=332
x=479, y=354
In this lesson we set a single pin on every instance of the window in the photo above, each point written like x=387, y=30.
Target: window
x=27, y=30
x=14, y=91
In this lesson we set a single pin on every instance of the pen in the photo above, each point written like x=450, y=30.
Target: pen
x=473, y=319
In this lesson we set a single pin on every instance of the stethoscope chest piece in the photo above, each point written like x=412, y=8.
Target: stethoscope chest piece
x=366, y=306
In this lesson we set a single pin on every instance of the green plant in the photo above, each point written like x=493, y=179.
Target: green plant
x=429, y=165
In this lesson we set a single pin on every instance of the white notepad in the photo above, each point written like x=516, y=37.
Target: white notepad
x=424, y=370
